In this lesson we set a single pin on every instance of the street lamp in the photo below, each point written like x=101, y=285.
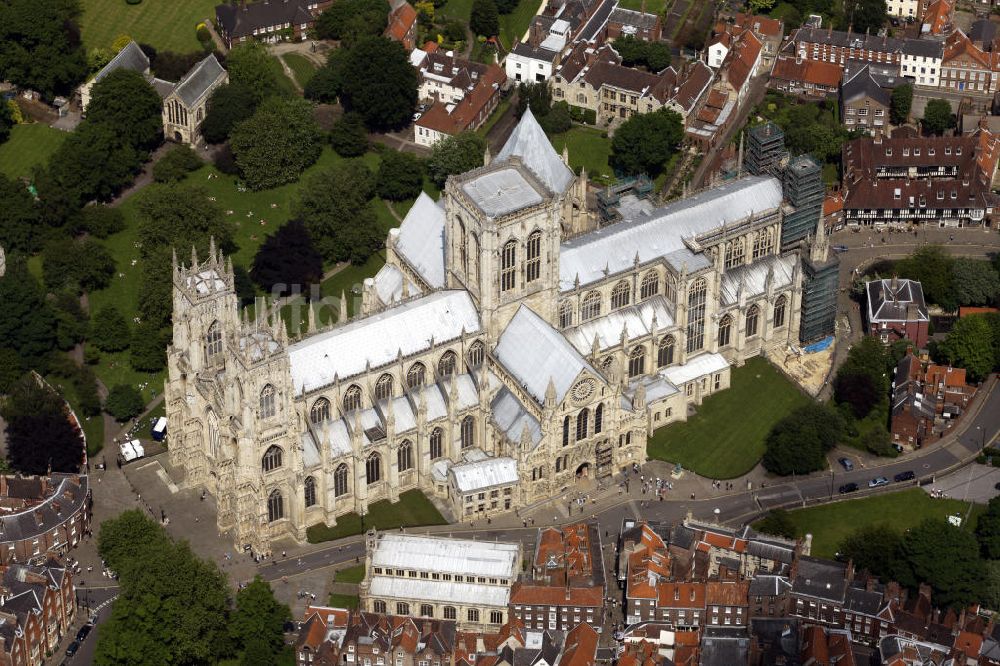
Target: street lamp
x=982, y=438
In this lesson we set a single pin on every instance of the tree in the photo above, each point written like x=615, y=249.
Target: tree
x=971, y=345
x=334, y=204
x=126, y=537
x=657, y=56
x=862, y=381
x=485, y=18
x=245, y=290
x=935, y=270
x=87, y=400
x=634, y=52
x=10, y=369
x=873, y=548
x=6, y=120
x=21, y=226
x=179, y=161
x=259, y=617
x=901, y=102
x=988, y=530
x=124, y=402
x=124, y=101
x=40, y=435
x=86, y=264
x=455, y=154
x=172, y=66
x=99, y=221
x=71, y=322
x=400, y=176
x=27, y=324
x=109, y=330
x=326, y=83
x=180, y=216
x=229, y=105
x=865, y=16
x=535, y=96
x=147, y=350
x=798, y=443
x=379, y=82
x=938, y=116
x=558, y=119
x=761, y=6
x=288, y=260
x=944, y=556
x=40, y=45
x=976, y=282
x=348, y=136
x=250, y=66
x=644, y=143
x=352, y=20
x=277, y=143
x=777, y=522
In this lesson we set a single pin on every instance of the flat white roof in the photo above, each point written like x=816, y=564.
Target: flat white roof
x=501, y=192
x=442, y=591
x=487, y=473
x=457, y=556
x=699, y=366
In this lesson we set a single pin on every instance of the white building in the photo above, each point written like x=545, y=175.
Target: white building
x=530, y=64
x=454, y=579
x=920, y=61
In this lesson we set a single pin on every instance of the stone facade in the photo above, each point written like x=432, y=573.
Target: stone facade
x=500, y=348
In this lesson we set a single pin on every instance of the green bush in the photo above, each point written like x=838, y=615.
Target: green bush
x=124, y=402
x=179, y=161
x=132, y=2
x=204, y=36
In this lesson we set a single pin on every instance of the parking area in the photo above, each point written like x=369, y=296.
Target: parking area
x=975, y=483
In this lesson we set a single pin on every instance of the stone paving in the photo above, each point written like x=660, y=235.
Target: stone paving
x=975, y=483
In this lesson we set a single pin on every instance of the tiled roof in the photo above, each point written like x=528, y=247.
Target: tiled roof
x=938, y=17
x=556, y=595
x=680, y=595
x=761, y=25
x=401, y=20
x=742, y=58
x=816, y=72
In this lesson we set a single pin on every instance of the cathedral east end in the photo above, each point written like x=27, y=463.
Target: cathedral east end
x=509, y=347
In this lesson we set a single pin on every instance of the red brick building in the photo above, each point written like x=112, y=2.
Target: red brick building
x=42, y=515
x=897, y=311
x=924, y=395
x=37, y=609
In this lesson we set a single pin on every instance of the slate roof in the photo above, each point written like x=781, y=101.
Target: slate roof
x=420, y=240
x=199, y=81
x=131, y=57
x=241, y=20
x=860, y=600
x=528, y=141
x=862, y=84
x=724, y=646
x=822, y=579
x=64, y=502
x=642, y=21
x=889, y=300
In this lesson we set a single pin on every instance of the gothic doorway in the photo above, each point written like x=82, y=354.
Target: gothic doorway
x=583, y=471
x=178, y=138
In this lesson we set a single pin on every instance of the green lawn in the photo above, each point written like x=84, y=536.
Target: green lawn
x=301, y=66
x=285, y=85
x=587, y=148
x=28, y=146
x=514, y=25
x=831, y=523
x=652, y=6
x=412, y=510
x=93, y=427
x=353, y=574
x=169, y=25
x=350, y=601
x=455, y=9
x=725, y=439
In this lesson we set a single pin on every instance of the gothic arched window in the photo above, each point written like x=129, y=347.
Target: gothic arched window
x=670, y=288
x=373, y=468
x=310, y=491
x=637, y=361
x=725, y=331
x=735, y=253
x=696, y=316
x=565, y=314
x=591, y=307
x=275, y=506
x=383, y=387
x=566, y=431
x=446, y=366
x=463, y=247
x=476, y=354
x=665, y=352
x=599, y=418
x=468, y=432
x=416, y=375
x=213, y=341
x=533, y=267
x=271, y=459
x=436, y=447
x=475, y=259
x=650, y=285
x=404, y=456
x=508, y=265
x=267, y=409
x=763, y=243
x=753, y=315
x=582, y=424
x=620, y=295
x=779, y=312
x=352, y=398
x=320, y=411
x=340, y=480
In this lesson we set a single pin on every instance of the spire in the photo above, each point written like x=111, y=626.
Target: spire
x=739, y=161
x=194, y=259
x=173, y=259
x=211, y=249
x=487, y=158
x=595, y=348
x=525, y=435
x=565, y=155
x=550, y=394
x=343, y=308
x=311, y=323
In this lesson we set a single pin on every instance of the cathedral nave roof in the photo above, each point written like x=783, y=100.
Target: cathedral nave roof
x=528, y=141
x=637, y=320
x=753, y=278
x=593, y=256
x=420, y=240
x=408, y=328
x=511, y=417
x=534, y=353
x=389, y=285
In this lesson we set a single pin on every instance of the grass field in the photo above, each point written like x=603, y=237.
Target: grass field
x=301, y=66
x=831, y=523
x=350, y=601
x=652, y=6
x=587, y=148
x=28, y=146
x=93, y=427
x=455, y=9
x=412, y=510
x=169, y=25
x=350, y=575
x=514, y=25
x=725, y=439
x=285, y=85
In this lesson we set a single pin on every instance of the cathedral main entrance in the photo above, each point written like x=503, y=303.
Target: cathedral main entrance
x=583, y=472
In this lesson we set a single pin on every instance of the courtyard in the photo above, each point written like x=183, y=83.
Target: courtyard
x=725, y=439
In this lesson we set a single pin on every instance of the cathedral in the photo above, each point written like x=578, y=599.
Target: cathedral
x=509, y=348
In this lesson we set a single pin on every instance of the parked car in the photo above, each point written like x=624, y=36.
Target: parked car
x=898, y=447
x=905, y=476
x=878, y=481
x=416, y=116
x=846, y=463
x=84, y=632
x=840, y=248
x=848, y=488
x=73, y=647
